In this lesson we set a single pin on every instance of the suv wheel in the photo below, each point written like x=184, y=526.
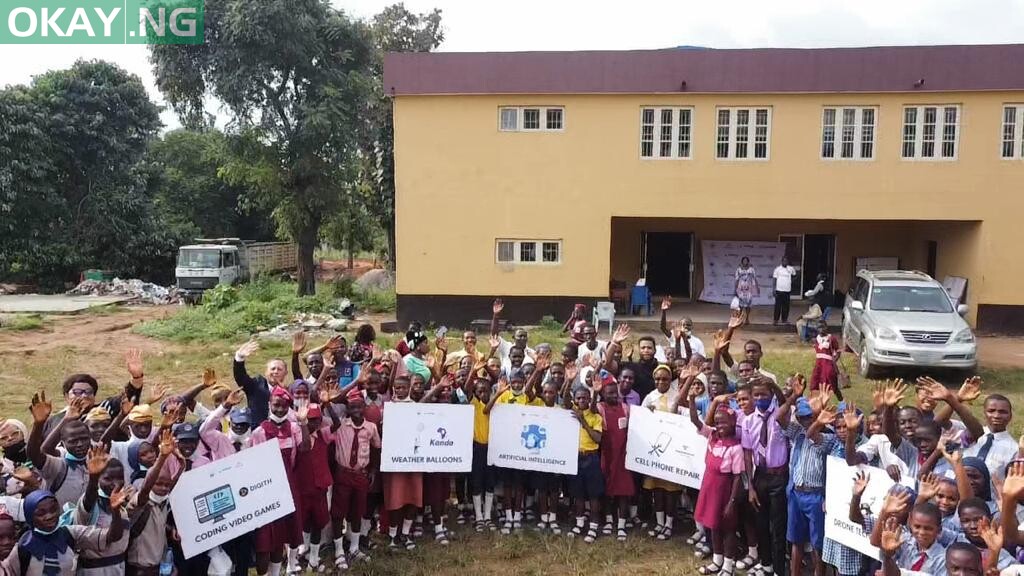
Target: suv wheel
x=864, y=367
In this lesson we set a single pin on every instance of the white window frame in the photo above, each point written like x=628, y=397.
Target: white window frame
x=751, y=138
x=939, y=133
x=517, y=253
x=858, y=134
x=1018, y=131
x=658, y=125
x=521, y=118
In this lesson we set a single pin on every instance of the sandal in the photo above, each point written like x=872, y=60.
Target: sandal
x=441, y=537
x=746, y=563
x=417, y=530
x=695, y=537
x=621, y=535
x=576, y=531
x=541, y=526
x=666, y=533
x=607, y=529
x=555, y=529
x=656, y=531
x=702, y=552
x=709, y=568
x=480, y=526
x=591, y=536
x=410, y=544
x=491, y=525
x=340, y=563
x=506, y=528
x=359, y=556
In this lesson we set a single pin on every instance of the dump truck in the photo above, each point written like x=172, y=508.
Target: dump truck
x=213, y=261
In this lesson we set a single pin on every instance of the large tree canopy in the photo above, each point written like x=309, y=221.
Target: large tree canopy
x=294, y=75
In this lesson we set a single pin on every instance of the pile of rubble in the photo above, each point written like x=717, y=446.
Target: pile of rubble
x=141, y=292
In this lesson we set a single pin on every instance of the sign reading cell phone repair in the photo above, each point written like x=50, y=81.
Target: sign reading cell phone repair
x=227, y=498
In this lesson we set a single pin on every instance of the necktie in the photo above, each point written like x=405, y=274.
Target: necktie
x=354, y=457
x=764, y=438
x=919, y=563
x=986, y=446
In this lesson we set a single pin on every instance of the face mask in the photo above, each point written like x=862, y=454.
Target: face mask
x=45, y=532
x=517, y=393
x=72, y=458
x=277, y=419
x=238, y=438
x=763, y=404
x=102, y=493
x=154, y=497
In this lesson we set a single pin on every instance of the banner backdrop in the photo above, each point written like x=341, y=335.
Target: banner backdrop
x=839, y=491
x=427, y=438
x=230, y=497
x=534, y=438
x=722, y=257
x=666, y=446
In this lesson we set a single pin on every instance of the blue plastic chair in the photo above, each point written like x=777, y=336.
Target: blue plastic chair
x=810, y=331
x=640, y=296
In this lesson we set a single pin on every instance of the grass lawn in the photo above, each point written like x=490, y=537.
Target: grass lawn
x=178, y=344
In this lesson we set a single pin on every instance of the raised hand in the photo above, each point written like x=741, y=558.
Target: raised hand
x=621, y=333
x=170, y=413
x=497, y=307
x=157, y=393
x=827, y=415
x=992, y=534
x=735, y=320
x=209, y=377
x=328, y=360
x=40, y=407
x=441, y=343
x=494, y=341
x=971, y=389
x=935, y=390
x=666, y=303
x=234, y=398
x=96, y=460
x=893, y=393
x=75, y=409
x=133, y=361
x=543, y=361
x=892, y=536
x=571, y=371
x=723, y=399
x=895, y=503
x=247, y=349
x=720, y=341
x=1013, y=485
x=798, y=383
x=166, y=443
x=876, y=395
x=302, y=411
x=120, y=496
x=928, y=487
x=503, y=384
x=676, y=334
x=953, y=457
x=851, y=417
x=298, y=342
x=860, y=482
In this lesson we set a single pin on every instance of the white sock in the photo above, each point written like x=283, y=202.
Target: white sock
x=274, y=569
x=314, y=555
x=419, y=517
x=767, y=569
x=305, y=540
x=353, y=544
x=668, y=520
x=478, y=507
x=622, y=523
x=293, y=557
x=529, y=500
x=728, y=565
x=393, y=532
x=717, y=559
x=659, y=517
x=517, y=516
x=595, y=526
x=607, y=518
x=364, y=526
x=407, y=527
x=339, y=545
x=752, y=552
x=634, y=511
x=438, y=528
x=508, y=515
x=580, y=520
x=488, y=505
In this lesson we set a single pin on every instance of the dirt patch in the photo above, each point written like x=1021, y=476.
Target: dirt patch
x=1002, y=351
x=89, y=332
x=332, y=269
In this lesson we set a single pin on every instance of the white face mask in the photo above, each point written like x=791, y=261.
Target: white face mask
x=154, y=497
x=238, y=438
x=277, y=419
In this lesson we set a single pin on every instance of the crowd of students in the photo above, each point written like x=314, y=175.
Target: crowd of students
x=87, y=488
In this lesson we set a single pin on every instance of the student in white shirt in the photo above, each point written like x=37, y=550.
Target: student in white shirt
x=782, y=278
x=685, y=326
x=996, y=446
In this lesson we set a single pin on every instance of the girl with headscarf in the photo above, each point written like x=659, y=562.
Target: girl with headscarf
x=13, y=434
x=49, y=549
x=416, y=359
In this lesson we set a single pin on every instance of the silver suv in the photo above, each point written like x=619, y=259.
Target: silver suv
x=905, y=318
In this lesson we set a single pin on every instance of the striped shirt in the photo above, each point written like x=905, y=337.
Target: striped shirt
x=903, y=456
x=846, y=560
x=807, y=458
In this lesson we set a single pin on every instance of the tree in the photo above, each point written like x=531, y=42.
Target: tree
x=294, y=75
x=353, y=228
x=395, y=29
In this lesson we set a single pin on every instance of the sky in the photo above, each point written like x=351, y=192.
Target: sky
x=491, y=25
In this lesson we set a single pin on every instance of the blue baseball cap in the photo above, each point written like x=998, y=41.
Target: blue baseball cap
x=240, y=415
x=803, y=408
x=185, y=431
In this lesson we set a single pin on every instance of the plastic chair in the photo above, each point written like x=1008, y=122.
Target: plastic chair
x=604, y=312
x=810, y=331
x=640, y=296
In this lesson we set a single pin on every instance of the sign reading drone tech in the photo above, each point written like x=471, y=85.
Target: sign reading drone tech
x=427, y=438
x=534, y=438
x=666, y=446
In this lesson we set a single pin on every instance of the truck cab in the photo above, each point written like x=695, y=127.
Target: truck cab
x=203, y=266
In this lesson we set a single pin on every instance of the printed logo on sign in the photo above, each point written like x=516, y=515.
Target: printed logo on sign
x=660, y=444
x=101, y=22
x=442, y=441
x=534, y=437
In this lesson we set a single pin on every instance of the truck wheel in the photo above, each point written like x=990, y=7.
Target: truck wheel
x=866, y=368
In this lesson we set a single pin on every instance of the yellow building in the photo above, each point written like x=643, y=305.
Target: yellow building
x=544, y=177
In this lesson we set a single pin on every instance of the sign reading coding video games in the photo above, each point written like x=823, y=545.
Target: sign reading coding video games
x=221, y=500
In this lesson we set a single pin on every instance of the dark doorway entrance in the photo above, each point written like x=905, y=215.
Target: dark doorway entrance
x=933, y=256
x=667, y=257
x=819, y=257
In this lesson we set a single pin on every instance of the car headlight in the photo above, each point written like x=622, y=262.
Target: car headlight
x=965, y=336
x=884, y=333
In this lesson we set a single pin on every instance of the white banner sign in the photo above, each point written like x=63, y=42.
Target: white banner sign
x=230, y=497
x=838, y=493
x=721, y=258
x=534, y=438
x=427, y=438
x=666, y=446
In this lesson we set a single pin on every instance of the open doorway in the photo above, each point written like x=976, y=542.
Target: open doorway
x=819, y=257
x=665, y=260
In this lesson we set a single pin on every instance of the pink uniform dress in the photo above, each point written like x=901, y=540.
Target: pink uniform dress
x=288, y=530
x=826, y=351
x=722, y=462
x=617, y=480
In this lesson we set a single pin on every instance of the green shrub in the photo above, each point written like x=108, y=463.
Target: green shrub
x=23, y=322
x=220, y=296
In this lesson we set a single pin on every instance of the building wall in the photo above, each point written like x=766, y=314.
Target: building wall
x=461, y=183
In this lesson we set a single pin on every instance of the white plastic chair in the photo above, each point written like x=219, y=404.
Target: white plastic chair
x=604, y=312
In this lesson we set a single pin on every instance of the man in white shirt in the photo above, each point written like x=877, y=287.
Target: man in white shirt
x=685, y=326
x=782, y=278
x=996, y=446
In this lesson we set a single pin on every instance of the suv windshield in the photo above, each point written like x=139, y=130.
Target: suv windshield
x=199, y=259
x=910, y=299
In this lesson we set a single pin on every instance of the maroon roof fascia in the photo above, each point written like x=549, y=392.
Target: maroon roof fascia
x=761, y=70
